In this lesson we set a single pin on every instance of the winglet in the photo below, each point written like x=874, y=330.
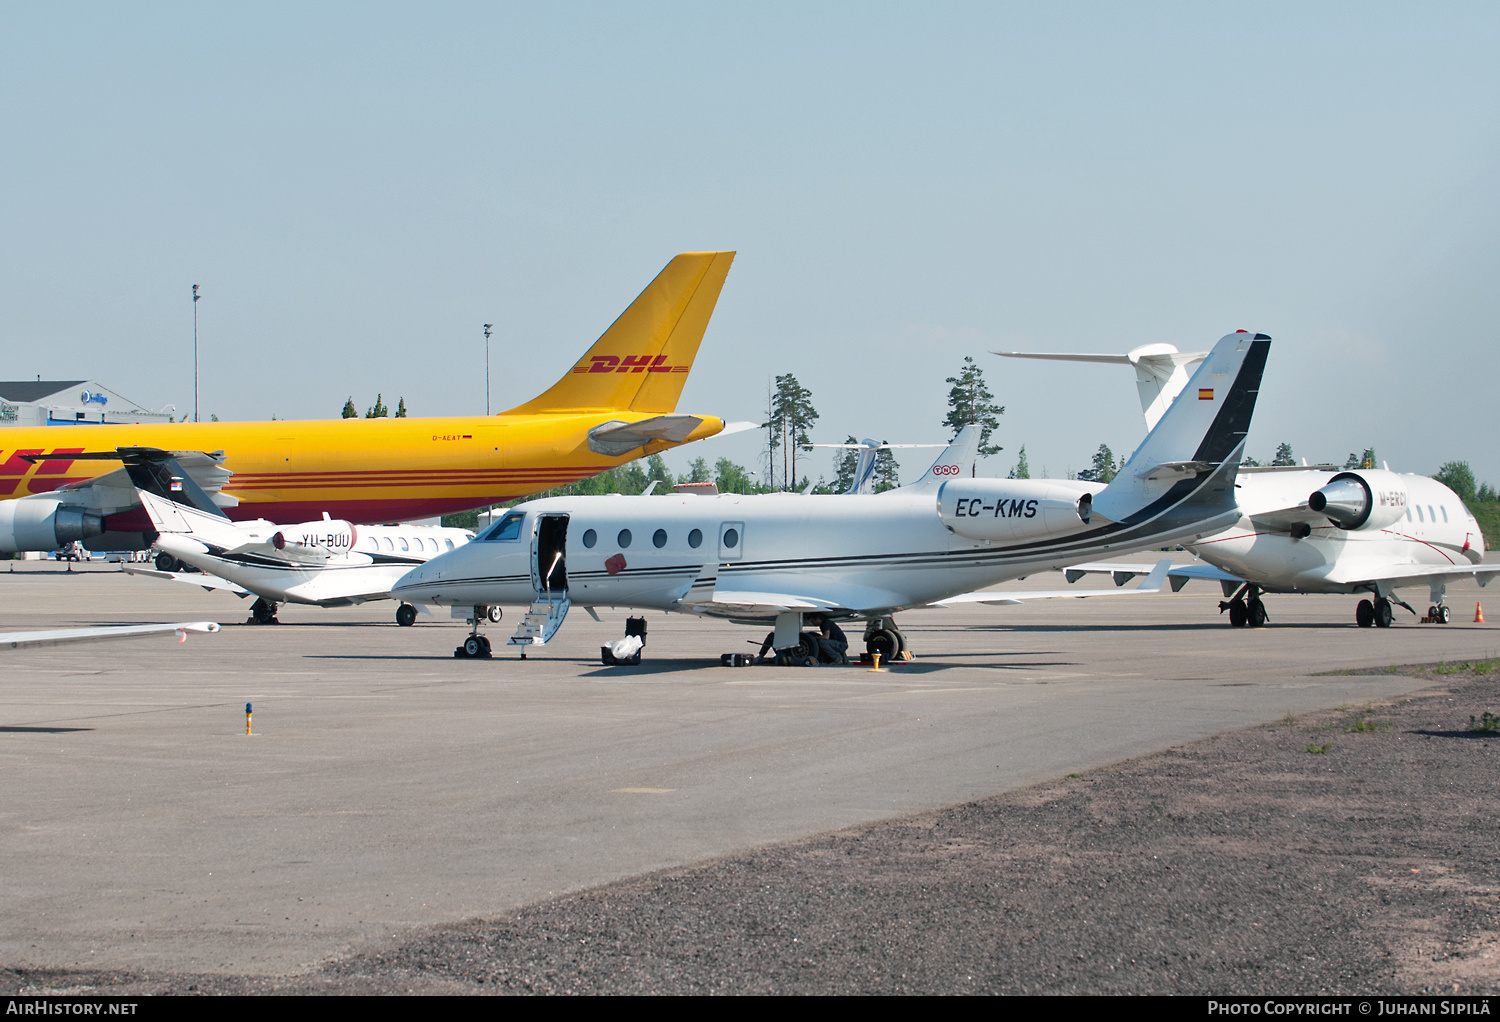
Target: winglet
x=642, y=360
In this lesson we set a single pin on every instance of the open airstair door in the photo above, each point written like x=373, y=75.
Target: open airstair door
x=549, y=577
x=549, y=557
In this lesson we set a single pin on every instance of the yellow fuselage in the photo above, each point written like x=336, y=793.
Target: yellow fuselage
x=362, y=470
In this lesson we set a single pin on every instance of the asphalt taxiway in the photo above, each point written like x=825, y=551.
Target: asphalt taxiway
x=389, y=787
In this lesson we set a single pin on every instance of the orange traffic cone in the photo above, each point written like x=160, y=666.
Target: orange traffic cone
x=1478, y=614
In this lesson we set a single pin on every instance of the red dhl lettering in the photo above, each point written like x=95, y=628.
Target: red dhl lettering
x=628, y=364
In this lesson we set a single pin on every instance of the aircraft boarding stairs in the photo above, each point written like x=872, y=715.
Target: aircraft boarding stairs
x=543, y=618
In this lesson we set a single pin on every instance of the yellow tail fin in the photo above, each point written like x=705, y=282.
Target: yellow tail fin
x=642, y=361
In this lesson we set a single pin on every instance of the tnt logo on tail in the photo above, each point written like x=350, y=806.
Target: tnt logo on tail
x=628, y=364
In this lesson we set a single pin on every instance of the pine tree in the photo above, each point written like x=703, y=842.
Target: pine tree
x=1022, y=470
x=350, y=412
x=1283, y=456
x=789, y=424
x=845, y=467
x=887, y=471
x=971, y=401
x=401, y=408
x=380, y=411
x=1104, y=468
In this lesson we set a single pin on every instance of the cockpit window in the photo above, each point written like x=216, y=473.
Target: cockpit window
x=507, y=528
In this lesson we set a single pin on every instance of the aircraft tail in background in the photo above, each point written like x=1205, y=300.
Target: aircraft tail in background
x=642, y=360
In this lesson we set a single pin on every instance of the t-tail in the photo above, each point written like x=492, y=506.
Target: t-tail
x=1187, y=464
x=170, y=517
x=643, y=359
x=956, y=460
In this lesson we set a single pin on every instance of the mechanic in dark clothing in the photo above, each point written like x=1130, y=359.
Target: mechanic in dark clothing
x=833, y=644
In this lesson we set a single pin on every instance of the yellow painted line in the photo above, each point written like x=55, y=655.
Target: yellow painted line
x=643, y=791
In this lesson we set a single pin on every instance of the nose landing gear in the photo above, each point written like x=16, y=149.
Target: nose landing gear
x=883, y=637
x=406, y=615
x=477, y=646
x=262, y=612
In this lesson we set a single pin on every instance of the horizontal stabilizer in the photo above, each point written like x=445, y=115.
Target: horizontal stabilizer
x=617, y=439
x=194, y=578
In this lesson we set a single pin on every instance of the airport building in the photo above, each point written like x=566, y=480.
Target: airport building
x=69, y=403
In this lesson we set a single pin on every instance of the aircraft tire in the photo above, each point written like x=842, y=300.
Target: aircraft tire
x=885, y=642
x=1257, y=614
x=493, y=615
x=1383, y=614
x=1238, y=614
x=406, y=615
x=1364, y=614
x=473, y=647
x=166, y=562
x=1444, y=615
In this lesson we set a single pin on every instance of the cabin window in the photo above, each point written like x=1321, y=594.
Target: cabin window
x=1431, y=514
x=623, y=538
x=731, y=537
x=1444, y=509
x=387, y=541
x=506, y=529
x=1419, y=514
x=695, y=538
x=449, y=542
x=659, y=538
x=402, y=541
x=1408, y=514
x=590, y=537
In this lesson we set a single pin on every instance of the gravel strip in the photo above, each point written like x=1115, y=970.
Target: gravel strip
x=1349, y=851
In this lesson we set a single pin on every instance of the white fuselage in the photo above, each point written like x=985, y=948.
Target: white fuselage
x=1435, y=530
x=742, y=557
x=327, y=575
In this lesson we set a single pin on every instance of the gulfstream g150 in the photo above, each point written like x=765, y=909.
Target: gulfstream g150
x=774, y=557
x=617, y=403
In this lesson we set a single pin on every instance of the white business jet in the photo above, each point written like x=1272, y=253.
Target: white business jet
x=1313, y=530
x=774, y=557
x=324, y=563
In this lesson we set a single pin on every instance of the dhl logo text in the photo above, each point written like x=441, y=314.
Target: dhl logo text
x=627, y=364
x=49, y=474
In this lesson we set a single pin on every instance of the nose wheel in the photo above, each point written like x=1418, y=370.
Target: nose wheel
x=406, y=615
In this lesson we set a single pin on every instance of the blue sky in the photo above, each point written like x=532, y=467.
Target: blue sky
x=358, y=188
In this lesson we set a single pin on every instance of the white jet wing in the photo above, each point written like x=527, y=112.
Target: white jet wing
x=1150, y=586
x=63, y=636
x=1410, y=575
x=1178, y=575
x=818, y=595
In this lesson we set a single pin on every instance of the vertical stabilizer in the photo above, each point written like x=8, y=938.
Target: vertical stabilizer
x=642, y=360
x=1196, y=446
x=957, y=459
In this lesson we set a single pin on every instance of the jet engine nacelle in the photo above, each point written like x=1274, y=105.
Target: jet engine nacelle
x=44, y=525
x=328, y=538
x=1371, y=498
x=1012, y=509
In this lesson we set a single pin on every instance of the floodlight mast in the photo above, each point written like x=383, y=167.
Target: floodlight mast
x=196, y=296
x=487, y=368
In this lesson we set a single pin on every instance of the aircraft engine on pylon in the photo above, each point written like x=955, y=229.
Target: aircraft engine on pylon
x=44, y=525
x=1013, y=509
x=326, y=538
x=1367, y=499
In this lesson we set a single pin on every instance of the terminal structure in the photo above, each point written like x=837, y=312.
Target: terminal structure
x=69, y=403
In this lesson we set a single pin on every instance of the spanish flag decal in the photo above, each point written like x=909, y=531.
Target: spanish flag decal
x=1205, y=393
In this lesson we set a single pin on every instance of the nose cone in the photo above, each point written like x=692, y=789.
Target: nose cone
x=406, y=583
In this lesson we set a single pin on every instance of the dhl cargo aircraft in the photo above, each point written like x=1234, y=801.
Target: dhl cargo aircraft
x=59, y=484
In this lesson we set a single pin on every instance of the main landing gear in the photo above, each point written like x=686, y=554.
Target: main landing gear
x=883, y=637
x=1246, y=608
x=1378, y=612
x=262, y=612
